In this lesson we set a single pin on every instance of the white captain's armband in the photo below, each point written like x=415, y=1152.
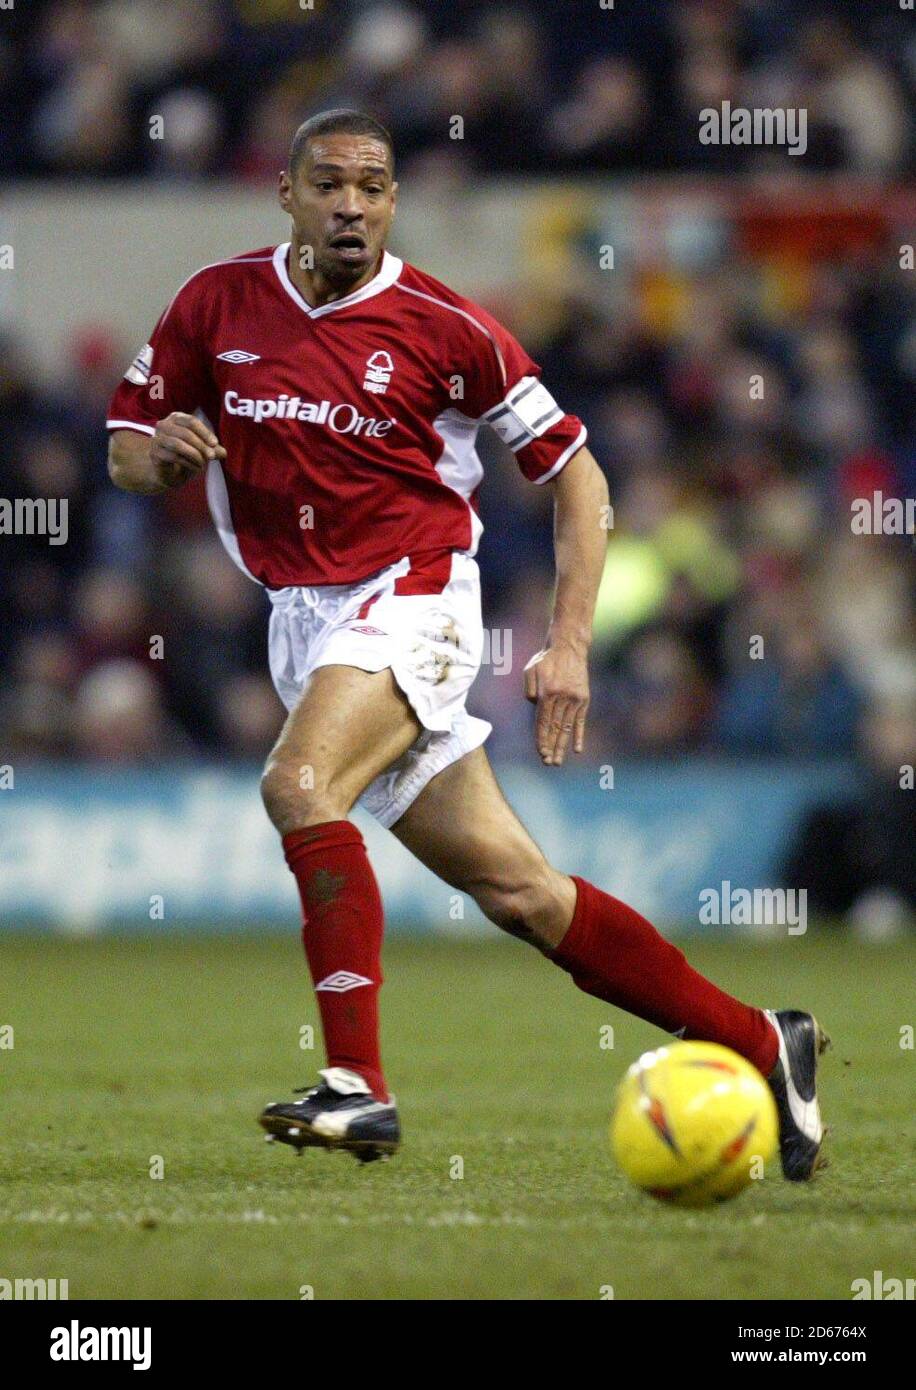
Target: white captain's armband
x=528, y=411
x=139, y=370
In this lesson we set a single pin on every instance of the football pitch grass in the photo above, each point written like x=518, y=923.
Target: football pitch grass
x=126, y=1051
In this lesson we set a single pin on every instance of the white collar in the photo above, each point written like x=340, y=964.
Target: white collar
x=391, y=269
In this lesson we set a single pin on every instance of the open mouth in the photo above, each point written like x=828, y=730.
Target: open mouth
x=349, y=244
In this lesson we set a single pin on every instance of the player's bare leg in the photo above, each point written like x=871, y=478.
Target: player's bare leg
x=462, y=827
x=348, y=726
x=464, y=830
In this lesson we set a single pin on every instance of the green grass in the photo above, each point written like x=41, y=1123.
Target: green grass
x=129, y=1049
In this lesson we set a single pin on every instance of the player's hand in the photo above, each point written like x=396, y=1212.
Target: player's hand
x=556, y=680
x=182, y=447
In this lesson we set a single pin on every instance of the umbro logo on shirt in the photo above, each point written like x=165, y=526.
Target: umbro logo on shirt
x=237, y=356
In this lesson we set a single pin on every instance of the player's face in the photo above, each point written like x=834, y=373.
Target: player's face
x=341, y=200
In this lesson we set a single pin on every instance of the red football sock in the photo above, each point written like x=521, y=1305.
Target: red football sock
x=342, y=934
x=615, y=954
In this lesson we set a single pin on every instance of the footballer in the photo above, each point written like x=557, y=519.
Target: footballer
x=333, y=393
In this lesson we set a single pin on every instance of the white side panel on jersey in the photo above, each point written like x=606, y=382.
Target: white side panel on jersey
x=458, y=466
x=218, y=500
x=527, y=412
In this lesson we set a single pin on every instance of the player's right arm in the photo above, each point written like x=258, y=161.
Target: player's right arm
x=157, y=438
x=180, y=448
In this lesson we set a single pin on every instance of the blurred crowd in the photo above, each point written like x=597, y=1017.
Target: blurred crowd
x=741, y=392
x=185, y=89
x=739, y=412
x=739, y=612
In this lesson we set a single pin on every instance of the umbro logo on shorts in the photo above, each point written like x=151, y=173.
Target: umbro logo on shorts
x=341, y=981
x=237, y=356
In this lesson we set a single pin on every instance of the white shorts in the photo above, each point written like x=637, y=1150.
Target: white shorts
x=432, y=643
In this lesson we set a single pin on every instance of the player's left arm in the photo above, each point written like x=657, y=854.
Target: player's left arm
x=556, y=679
x=503, y=390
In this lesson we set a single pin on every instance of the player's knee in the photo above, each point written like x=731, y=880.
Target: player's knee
x=292, y=799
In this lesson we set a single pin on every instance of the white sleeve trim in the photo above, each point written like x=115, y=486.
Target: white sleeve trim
x=564, y=457
x=129, y=425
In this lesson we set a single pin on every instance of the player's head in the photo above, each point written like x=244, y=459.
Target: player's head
x=340, y=192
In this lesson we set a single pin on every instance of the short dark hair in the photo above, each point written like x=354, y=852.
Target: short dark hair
x=341, y=121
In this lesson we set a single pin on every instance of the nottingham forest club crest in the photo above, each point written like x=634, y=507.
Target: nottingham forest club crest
x=378, y=373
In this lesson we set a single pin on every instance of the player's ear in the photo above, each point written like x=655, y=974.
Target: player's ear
x=284, y=190
x=394, y=198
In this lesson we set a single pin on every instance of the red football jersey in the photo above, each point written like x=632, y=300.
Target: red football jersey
x=349, y=429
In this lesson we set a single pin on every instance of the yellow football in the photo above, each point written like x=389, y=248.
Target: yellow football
x=693, y=1124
